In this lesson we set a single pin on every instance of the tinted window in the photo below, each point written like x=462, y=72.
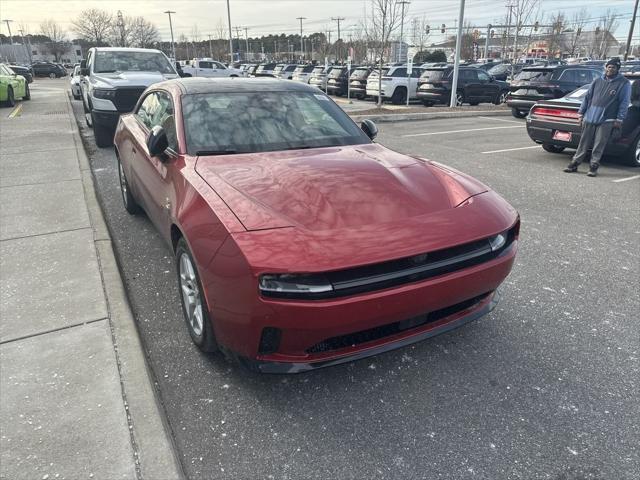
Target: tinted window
x=336, y=72
x=577, y=76
x=416, y=72
x=469, y=75
x=540, y=75
x=483, y=76
x=399, y=72
x=360, y=73
x=434, y=75
x=122, y=61
x=219, y=122
x=205, y=65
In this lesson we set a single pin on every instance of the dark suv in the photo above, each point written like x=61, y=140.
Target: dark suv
x=474, y=86
x=537, y=84
x=358, y=82
x=46, y=69
x=338, y=79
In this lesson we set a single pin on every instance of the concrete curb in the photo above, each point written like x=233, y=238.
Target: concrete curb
x=152, y=444
x=408, y=117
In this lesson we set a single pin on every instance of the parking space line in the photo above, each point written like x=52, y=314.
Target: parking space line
x=462, y=131
x=512, y=149
x=501, y=120
x=16, y=111
x=626, y=179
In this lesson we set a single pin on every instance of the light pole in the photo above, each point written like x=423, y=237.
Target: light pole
x=173, y=45
x=210, y=48
x=401, y=31
x=27, y=47
x=246, y=39
x=301, y=42
x=230, y=33
x=633, y=22
x=456, y=65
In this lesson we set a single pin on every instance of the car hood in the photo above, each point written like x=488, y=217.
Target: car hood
x=127, y=79
x=333, y=188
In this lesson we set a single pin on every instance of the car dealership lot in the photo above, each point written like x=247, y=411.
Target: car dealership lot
x=546, y=386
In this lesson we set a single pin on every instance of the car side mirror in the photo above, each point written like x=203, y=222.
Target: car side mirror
x=369, y=128
x=157, y=141
x=84, y=71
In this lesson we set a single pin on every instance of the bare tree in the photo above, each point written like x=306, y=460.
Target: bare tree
x=143, y=33
x=523, y=12
x=577, y=24
x=420, y=33
x=120, y=33
x=603, y=39
x=57, y=44
x=554, y=35
x=384, y=19
x=93, y=25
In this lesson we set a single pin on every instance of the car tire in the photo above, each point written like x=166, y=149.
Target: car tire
x=194, y=308
x=428, y=103
x=27, y=92
x=11, y=99
x=399, y=96
x=130, y=204
x=52, y=75
x=518, y=113
x=474, y=103
x=459, y=99
x=501, y=98
x=547, y=147
x=632, y=157
x=102, y=135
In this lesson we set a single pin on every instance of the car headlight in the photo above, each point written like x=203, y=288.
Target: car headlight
x=498, y=241
x=106, y=94
x=294, y=285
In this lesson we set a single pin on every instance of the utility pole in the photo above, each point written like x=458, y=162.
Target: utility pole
x=456, y=65
x=230, y=34
x=120, y=25
x=301, y=42
x=246, y=39
x=633, y=23
x=403, y=3
x=27, y=47
x=11, y=40
x=486, y=43
x=506, y=42
x=338, y=52
x=210, y=47
x=173, y=45
x=237, y=29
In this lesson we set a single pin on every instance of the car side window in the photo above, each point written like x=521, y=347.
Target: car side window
x=400, y=72
x=204, y=65
x=595, y=74
x=89, y=60
x=166, y=119
x=584, y=76
x=484, y=77
x=216, y=65
x=416, y=72
x=148, y=108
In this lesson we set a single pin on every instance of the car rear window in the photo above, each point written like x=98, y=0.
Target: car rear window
x=360, y=73
x=537, y=75
x=318, y=70
x=336, y=72
x=435, y=74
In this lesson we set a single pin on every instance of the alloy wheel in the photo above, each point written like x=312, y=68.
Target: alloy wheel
x=191, y=295
x=123, y=184
x=459, y=99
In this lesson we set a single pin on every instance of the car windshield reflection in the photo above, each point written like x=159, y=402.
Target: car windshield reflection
x=248, y=122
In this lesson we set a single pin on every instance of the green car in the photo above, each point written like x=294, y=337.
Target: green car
x=12, y=86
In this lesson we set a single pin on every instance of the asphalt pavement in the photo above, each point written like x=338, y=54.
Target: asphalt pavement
x=545, y=387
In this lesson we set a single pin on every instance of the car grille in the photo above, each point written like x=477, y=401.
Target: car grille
x=126, y=98
x=373, y=334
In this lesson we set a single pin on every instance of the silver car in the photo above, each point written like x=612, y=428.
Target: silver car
x=75, y=83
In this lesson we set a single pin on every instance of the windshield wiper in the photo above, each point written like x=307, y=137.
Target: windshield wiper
x=201, y=153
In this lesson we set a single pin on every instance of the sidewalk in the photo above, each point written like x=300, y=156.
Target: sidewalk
x=76, y=398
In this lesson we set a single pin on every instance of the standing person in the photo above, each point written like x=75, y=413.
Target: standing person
x=603, y=108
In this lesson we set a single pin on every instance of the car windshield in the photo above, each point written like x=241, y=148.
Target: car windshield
x=499, y=69
x=537, y=75
x=247, y=122
x=336, y=72
x=122, y=61
x=437, y=74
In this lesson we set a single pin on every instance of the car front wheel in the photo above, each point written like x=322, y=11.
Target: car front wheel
x=103, y=135
x=11, y=100
x=501, y=98
x=518, y=113
x=547, y=147
x=52, y=75
x=27, y=92
x=130, y=204
x=192, y=298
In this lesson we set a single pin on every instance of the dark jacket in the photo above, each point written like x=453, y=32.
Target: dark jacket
x=607, y=100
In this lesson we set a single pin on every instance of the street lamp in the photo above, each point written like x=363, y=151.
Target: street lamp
x=173, y=45
x=301, y=41
x=11, y=39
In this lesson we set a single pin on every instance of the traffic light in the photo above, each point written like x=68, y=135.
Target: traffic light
x=597, y=30
x=428, y=29
x=493, y=32
x=443, y=28
x=504, y=34
x=535, y=26
x=579, y=32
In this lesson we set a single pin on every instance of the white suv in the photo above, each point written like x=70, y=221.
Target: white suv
x=207, y=67
x=112, y=80
x=395, y=83
x=302, y=73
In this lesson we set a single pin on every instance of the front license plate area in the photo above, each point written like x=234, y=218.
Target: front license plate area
x=562, y=136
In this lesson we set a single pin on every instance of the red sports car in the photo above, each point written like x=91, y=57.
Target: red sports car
x=299, y=242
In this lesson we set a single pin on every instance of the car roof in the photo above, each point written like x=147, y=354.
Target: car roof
x=125, y=49
x=192, y=85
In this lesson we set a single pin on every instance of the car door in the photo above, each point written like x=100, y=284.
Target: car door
x=151, y=173
x=413, y=82
x=470, y=84
x=488, y=89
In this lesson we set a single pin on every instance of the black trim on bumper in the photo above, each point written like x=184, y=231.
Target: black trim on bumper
x=299, y=367
x=106, y=118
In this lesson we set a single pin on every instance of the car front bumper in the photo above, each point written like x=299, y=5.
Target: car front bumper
x=106, y=118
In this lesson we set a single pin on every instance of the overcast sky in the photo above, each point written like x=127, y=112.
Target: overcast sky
x=279, y=16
